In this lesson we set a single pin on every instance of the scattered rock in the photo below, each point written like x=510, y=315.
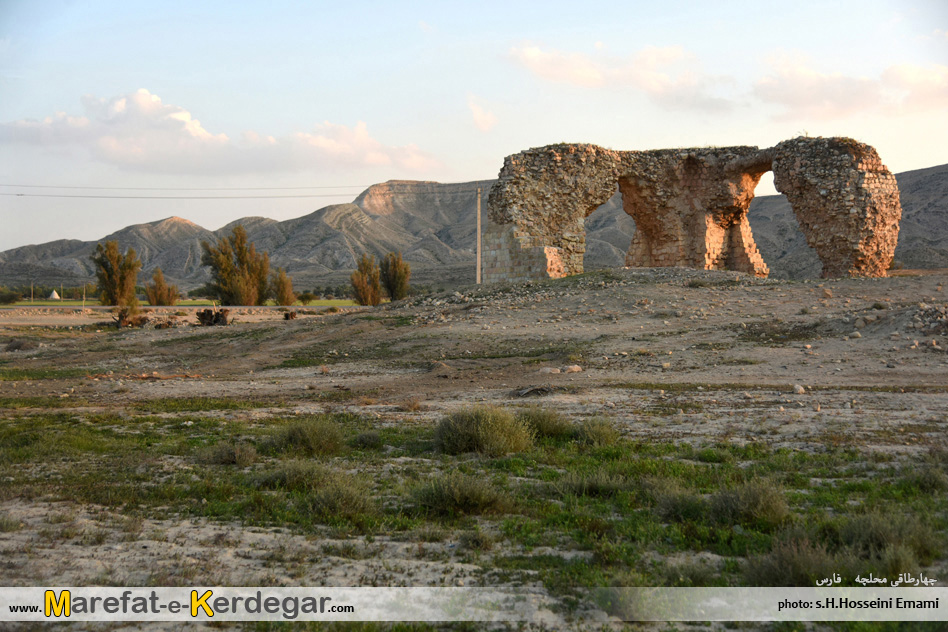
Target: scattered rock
x=547, y=369
x=573, y=368
x=855, y=334
x=827, y=293
x=798, y=389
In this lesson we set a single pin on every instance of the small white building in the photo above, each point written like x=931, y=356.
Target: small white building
x=54, y=296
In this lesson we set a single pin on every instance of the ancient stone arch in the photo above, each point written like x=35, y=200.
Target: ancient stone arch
x=690, y=206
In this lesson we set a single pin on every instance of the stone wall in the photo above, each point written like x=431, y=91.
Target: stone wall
x=690, y=206
x=846, y=200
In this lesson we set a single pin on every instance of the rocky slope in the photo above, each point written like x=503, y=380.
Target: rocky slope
x=433, y=225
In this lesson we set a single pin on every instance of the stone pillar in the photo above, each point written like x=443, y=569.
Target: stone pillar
x=846, y=200
x=690, y=208
x=546, y=194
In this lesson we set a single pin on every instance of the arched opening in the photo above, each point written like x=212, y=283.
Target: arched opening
x=608, y=234
x=778, y=236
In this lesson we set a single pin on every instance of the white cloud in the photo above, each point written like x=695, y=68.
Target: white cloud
x=139, y=131
x=484, y=119
x=807, y=93
x=668, y=75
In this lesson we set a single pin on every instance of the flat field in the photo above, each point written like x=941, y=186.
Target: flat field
x=627, y=427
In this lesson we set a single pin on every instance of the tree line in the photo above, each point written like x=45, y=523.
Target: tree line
x=239, y=276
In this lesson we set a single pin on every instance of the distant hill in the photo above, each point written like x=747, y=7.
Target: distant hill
x=433, y=225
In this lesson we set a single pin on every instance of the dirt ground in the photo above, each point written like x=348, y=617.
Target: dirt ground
x=721, y=356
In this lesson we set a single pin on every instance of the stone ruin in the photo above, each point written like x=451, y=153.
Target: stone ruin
x=690, y=206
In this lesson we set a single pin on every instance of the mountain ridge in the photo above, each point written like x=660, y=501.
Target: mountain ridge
x=433, y=225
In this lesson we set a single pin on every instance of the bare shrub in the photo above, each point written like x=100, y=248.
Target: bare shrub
x=760, y=504
x=485, y=429
x=596, y=483
x=477, y=540
x=341, y=495
x=213, y=317
x=240, y=454
x=871, y=534
x=318, y=435
x=795, y=562
x=677, y=505
x=295, y=475
x=370, y=440
x=546, y=423
x=455, y=494
x=598, y=432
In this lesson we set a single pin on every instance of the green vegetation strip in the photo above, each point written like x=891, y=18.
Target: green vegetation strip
x=19, y=375
x=526, y=494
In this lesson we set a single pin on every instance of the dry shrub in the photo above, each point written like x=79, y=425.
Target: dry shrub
x=546, y=423
x=370, y=440
x=341, y=495
x=597, y=483
x=20, y=345
x=318, y=435
x=678, y=505
x=759, y=504
x=411, y=405
x=213, y=317
x=326, y=492
x=795, y=562
x=874, y=533
x=295, y=475
x=477, y=540
x=598, y=432
x=456, y=494
x=239, y=453
x=485, y=429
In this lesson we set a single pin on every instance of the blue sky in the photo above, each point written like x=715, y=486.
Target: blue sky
x=312, y=94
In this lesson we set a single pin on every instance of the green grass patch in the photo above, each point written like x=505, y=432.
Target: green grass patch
x=20, y=375
x=198, y=404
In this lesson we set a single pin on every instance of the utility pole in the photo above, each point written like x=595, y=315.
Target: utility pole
x=478, y=235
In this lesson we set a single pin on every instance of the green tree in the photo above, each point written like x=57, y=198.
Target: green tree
x=116, y=274
x=8, y=297
x=395, y=274
x=365, y=282
x=307, y=297
x=240, y=275
x=283, y=288
x=159, y=292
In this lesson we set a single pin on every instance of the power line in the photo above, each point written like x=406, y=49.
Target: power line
x=220, y=197
x=174, y=197
x=58, y=186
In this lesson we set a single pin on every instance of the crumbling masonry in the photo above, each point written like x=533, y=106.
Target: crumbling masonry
x=690, y=206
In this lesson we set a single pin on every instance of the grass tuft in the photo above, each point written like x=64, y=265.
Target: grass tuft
x=485, y=429
x=597, y=483
x=313, y=436
x=598, y=432
x=8, y=524
x=759, y=504
x=295, y=475
x=457, y=494
x=240, y=454
x=370, y=440
x=546, y=423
